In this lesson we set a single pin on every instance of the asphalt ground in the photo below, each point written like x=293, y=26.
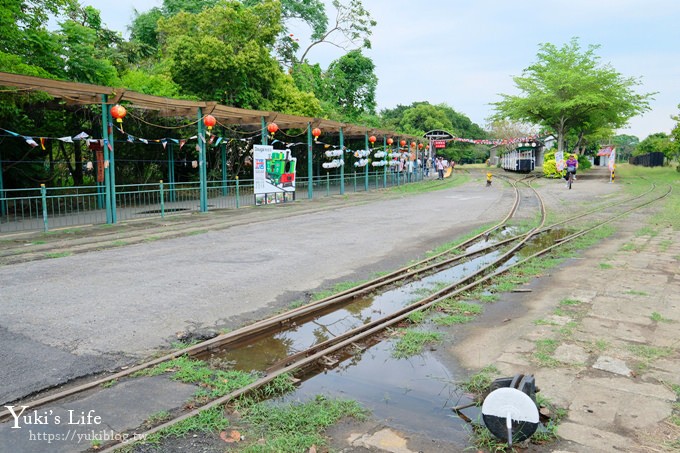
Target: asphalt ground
x=102, y=308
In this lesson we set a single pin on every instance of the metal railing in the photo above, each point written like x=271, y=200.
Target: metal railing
x=47, y=208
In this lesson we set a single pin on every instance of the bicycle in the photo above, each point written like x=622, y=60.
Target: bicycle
x=570, y=179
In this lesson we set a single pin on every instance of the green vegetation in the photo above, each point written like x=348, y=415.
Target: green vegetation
x=57, y=254
x=479, y=382
x=411, y=342
x=544, y=351
x=109, y=384
x=158, y=417
x=213, y=382
x=659, y=318
x=606, y=266
x=295, y=427
x=569, y=302
x=636, y=293
x=210, y=420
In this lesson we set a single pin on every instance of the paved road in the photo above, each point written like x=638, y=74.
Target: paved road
x=72, y=316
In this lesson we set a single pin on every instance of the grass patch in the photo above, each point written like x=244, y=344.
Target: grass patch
x=479, y=382
x=544, y=322
x=646, y=231
x=157, y=418
x=636, y=293
x=569, y=302
x=214, y=383
x=295, y=427
x=337, y=288
x=650, y=353
x=119, y=243
x=109, y=384
x=211, y=420
x=602, y=344
x=412, y=342
x=57, y=254
x=416, y=317
x=665, y=245
x=628, y=247
x=544, y=351
x=659, y=318
x=606, y=266
x=449, y=320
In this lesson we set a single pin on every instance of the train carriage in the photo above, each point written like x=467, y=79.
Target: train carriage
x=522, y=159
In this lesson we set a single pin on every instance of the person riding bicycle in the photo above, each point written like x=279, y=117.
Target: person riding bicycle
x=572, y=165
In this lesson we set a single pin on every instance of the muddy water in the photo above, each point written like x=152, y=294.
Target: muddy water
x=414, y=394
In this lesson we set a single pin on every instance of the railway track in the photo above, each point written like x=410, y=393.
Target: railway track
x=310, y=357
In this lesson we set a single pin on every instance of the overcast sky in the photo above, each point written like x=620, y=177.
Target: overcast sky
x=464, y=53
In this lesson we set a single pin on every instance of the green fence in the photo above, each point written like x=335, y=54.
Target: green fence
x=48, y=208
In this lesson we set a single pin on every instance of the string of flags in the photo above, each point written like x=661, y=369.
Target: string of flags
x=214, y=140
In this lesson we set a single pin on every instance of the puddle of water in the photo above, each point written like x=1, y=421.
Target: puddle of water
x=413, y=395
x=264, y=352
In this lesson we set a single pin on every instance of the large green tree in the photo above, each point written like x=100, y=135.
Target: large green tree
x=350, y=84
x=568, y=90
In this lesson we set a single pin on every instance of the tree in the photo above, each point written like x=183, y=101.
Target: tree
x=625, y=145
x=350, y=30
x=350, y=83
x=568, y=90
x=658, y=142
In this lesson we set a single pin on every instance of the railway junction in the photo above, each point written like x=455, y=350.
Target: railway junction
x=101, y=311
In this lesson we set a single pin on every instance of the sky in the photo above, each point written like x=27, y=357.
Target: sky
x=464, y=53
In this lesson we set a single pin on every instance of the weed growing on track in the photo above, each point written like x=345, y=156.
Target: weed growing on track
x=412, y=342
x=214, y=383
x=295, y=427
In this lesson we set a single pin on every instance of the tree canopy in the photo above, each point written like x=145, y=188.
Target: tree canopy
x=568, y=90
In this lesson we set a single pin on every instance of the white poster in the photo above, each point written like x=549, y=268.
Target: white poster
x=273, y=173
x=559, y=161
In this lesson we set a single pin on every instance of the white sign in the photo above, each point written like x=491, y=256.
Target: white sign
x=273, y=170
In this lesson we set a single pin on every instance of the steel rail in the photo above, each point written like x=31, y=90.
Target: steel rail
x=259, y=326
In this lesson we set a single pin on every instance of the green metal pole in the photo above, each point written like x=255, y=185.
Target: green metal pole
x=223, y=151
x=366, y=172
x=264, y=131
x=112, y=167
x=43, y=195
x=328, y=184
x=342, y=167
x=3, y=202
x=238, y=196
x=310, y=168
x=386, y=160
x=171, y=171
x=107, y=168
x=162, y=199
x=202, y=163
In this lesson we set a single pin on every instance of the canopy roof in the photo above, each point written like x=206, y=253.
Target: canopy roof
x=83, y=93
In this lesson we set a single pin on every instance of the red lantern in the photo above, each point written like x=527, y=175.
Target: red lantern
x=372, y=139
x=118, y=112
x=413, y=144
x=390, y=141
x=402, y=143
x=316, y=132
x=272, y=128
x=209, y=121
x=420, y=146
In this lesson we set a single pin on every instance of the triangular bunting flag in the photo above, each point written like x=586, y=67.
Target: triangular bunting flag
x=66, y=139
x=182, y=143
x=130, y=138
x=30, y=141
x=42, y=143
